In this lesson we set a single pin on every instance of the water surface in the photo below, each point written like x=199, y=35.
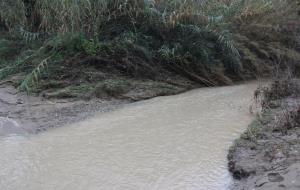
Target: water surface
x=177, y=142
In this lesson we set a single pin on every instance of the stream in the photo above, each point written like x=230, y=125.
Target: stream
x=176, y=142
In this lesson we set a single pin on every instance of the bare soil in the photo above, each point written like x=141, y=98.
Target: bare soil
x=20, y=113
x=267, y=156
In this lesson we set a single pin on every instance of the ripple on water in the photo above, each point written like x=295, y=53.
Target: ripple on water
x=178, y=142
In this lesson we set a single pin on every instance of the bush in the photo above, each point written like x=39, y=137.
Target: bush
x=138, y=38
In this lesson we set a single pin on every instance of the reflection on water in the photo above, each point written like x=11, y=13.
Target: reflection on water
x=177, y=142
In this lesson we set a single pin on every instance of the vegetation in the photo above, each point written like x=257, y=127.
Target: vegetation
x=208, y=42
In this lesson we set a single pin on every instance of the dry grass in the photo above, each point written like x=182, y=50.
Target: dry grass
x=90, y=15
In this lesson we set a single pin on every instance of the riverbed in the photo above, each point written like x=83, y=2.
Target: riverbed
x=174, y=142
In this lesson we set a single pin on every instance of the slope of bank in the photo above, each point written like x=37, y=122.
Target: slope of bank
x=267, y=156
x=21, y=113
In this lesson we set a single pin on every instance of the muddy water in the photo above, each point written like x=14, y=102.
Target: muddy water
x=177, y=142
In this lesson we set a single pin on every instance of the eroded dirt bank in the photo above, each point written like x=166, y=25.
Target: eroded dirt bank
x=267, y=155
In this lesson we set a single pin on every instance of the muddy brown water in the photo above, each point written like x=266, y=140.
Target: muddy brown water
x=176, y=142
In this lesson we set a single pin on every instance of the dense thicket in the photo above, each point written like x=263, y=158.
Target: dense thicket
x=206, y=41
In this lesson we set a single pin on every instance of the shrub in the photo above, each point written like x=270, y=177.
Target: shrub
x=192, y=37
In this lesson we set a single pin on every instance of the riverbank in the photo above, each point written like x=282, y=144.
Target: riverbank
x=21, y=113
x=147, y=44
x=267, y=156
